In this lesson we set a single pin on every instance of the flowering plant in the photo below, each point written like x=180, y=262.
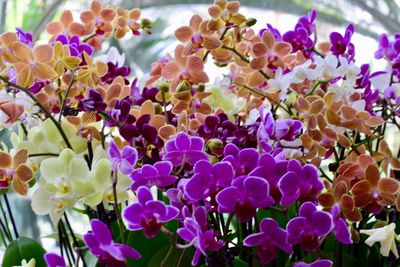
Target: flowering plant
x=286, y=160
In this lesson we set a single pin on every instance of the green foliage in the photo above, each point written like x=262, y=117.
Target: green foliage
x=23, y=248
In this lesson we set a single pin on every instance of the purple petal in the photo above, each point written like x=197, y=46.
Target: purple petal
x=289, y=187
x=203, y=167
x=258, y=191
x=185, y=234
x=196, y=187
x=144, y=195
x=231, y=149
x=197, y=143
x=268, y=225
x=254, y=240
x=223, y=172
x=157, y=207
x=101, y=232
x=307, y=210
x=322, y=222
x=227, y=199
x=128, y=252
x=294, y=228
x=342, y=232
x=163, y=167
x=133, y=215
x=280, y=240
x=175, y=157
x=182, y=141
x=172, y=213
x=130, y=154
x=54, y=260
x=194, y=156
x=148, y=171
x=170, y=146
x=113, y=150
x=92, y=243
x=165, y=180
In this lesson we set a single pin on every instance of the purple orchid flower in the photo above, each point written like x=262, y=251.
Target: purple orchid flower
x=24, y=37
x=119, y=114
x=300, y=37
x=159, y=175
x=195, y=231
x=272, y=170
x=217, y=126
x=125, y=161
x=244, y=196
x=317, y=263
x=94, y=102
x=341, y=45
x=101, y=244
x=140, y=96
x=113, y=71
x=54, y=260
x=281, y=130
x=387, y=49
x=148, y=214
x=208, y=179
x=184, y=149
x=299, y=182
x=270, y=237
x=243, y=161
x=340, y=228
x=76, y=47
x=308, y=227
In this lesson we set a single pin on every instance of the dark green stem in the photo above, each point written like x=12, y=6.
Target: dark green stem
x=64, y=100
x=11, y=216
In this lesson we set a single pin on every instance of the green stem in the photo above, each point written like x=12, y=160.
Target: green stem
x=87, y=38
x=2, y=234
x=116, y=207
x=67, y=244
x=165, y=106
x=181, y=258
x=11, y=216
x=43, y=155
x=228, y=222
x=171, y=248
x=26, y=91
x=75, y=241
x=64, y=100
x=6, y=221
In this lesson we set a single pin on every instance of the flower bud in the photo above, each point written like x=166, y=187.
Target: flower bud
x=250, y=22
x=164, y=87
x=182, y=87
x=216, y=147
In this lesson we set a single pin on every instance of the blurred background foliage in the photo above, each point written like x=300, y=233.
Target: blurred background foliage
x=371, y=18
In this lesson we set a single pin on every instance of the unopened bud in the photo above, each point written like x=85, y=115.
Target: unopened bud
x=216, y=147
x=250, y=22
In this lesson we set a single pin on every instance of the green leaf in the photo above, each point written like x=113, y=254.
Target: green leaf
x=146, y=247
x=239, y=263
x=23, y=248
x=173, y=257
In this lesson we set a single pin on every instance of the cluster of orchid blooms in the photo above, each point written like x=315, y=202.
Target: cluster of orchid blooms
x=286, y=151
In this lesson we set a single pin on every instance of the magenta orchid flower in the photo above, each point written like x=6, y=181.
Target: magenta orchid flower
x=124, y=160
x=147, y=214
x=101, y=244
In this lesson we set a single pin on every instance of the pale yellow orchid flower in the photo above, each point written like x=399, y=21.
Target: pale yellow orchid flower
x=384, y=235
